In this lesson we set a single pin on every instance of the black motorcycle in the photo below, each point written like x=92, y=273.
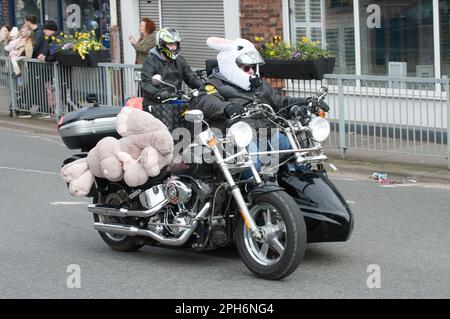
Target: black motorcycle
x=206, y=205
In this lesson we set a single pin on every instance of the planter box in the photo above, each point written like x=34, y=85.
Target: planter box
x=73, y=59
x=296, y=69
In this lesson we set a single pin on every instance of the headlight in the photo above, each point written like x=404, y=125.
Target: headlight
x=241, y=134
x=320, y=129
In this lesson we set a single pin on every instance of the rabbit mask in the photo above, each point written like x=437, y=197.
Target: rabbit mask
x=226, y=58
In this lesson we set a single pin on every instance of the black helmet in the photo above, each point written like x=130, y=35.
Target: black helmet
x=168, y=36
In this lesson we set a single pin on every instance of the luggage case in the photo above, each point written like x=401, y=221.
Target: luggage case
x=82, y=129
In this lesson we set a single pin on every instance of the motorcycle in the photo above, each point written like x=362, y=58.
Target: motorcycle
x=206, y=205
x=302, y=175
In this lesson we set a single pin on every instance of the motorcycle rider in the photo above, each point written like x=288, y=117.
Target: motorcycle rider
x=240, y=71
x=164, y=59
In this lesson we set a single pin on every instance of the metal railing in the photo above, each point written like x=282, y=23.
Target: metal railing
x=5, y=82
x=380, y=113
x=377, y=113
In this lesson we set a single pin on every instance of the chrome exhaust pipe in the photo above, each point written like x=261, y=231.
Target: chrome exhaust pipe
x=134, y=231
x=125, y=212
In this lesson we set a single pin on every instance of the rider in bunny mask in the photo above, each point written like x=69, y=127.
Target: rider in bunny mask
x=238, y=71
x=238, y=68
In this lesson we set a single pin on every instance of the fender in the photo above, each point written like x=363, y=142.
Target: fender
x=327, y=215
x=265, y=187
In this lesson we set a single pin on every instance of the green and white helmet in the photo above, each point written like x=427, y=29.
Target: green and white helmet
x=168, y=36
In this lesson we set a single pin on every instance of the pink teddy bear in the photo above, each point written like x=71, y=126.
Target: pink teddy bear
x=143, y=151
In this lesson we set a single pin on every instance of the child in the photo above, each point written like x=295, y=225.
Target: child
x=20, y=48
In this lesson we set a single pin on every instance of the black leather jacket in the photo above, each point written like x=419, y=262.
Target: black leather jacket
x=212, y=103
x=172, y=71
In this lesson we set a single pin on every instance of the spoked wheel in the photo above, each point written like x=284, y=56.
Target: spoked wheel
x=283, y=245
x=117, y=242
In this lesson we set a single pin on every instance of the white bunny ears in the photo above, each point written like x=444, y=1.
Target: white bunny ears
x=222, y=44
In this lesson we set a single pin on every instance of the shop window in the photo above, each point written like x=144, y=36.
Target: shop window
x=397, y=33
x=51, y=10
x=26, y=7
x=331, y=23
x=86, y=15
x=444, y=23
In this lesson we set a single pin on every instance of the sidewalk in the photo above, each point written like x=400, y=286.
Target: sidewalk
x=399, y=167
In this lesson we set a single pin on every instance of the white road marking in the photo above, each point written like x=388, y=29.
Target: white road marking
x=55, y=141
x=422, y=185
x=28, y=170
x=350, y=202
x=344, y=178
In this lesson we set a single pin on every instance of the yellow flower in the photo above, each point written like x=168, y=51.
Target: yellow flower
x=304, y=40
x=277, y=38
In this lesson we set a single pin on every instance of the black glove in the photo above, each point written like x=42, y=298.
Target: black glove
x=255, y=82
x=232, y=110
x=165, y=94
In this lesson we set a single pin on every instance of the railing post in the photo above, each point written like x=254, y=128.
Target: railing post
x=342, y=146
x=12, y=89
x=108, y=85
x=58, y=86
x=447, y=89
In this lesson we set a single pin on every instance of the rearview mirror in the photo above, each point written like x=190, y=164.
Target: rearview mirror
x=156, y=79
x=322, y=90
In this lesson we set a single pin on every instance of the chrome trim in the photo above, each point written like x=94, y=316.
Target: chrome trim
x=134, y=231
x=124, y=212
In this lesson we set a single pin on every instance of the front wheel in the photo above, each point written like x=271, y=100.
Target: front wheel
x=283, y=245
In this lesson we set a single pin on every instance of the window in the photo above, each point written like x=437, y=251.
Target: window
x=331, y=23
x=444, y=23
x=397, y=38
x=51, y=10
x=26, y=7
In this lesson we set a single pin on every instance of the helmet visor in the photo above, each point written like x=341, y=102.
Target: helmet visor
x=170, y=36
x=248, y=58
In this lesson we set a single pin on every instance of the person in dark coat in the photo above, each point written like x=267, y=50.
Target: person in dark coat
x=165, y=60
x=39, y=45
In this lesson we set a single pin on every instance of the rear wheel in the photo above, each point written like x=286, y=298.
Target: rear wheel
x=279, y=253
x=115, y=197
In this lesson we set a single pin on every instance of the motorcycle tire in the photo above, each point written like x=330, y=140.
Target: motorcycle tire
x=280, y=253
x=124, y=243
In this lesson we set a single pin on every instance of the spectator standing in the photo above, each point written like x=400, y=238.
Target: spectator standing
x=39, y=38
x=50, y=29
x=20, y=48
x=146, y=42
x=48, y=101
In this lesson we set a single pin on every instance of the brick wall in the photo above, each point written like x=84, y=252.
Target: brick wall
x=5, y=13
x=119, y=22
x=262, y=18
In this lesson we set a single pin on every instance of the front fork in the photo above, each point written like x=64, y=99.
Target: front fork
x=257, y=232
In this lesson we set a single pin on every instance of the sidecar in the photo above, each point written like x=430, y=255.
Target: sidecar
x=327, y=215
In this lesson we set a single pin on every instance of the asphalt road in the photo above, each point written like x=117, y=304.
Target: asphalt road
x=403, y=229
